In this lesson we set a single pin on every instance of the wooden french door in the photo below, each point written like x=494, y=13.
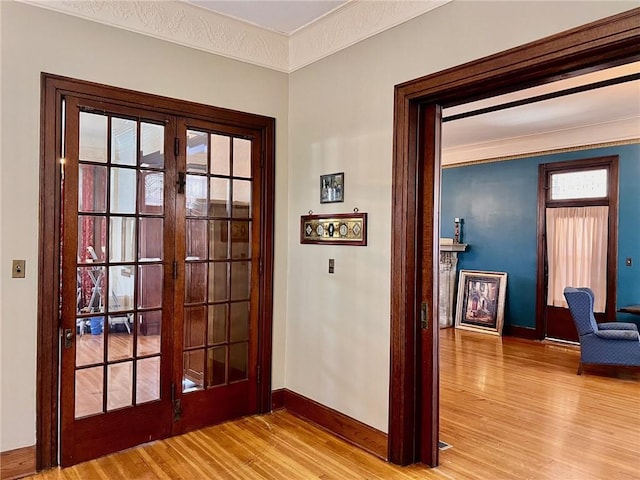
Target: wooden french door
x=218, y=218
x=117, y=254
x=160, y=275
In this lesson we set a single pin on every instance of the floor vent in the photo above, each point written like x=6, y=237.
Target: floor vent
x=443, y=445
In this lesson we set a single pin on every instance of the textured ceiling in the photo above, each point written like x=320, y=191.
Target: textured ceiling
x=280, y=16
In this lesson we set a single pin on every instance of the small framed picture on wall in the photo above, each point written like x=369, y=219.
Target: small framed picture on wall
x=332, y=188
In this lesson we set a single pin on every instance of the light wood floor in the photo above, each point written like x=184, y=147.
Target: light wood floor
x=510, y=408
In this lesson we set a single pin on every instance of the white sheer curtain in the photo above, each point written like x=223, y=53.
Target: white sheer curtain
x=577, y=252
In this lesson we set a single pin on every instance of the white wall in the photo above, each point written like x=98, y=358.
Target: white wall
x=35, y=40
x=341, y=119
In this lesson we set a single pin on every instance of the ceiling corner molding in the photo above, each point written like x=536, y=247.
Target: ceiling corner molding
x=184, y=24
x=352, y=23
x=195, y=27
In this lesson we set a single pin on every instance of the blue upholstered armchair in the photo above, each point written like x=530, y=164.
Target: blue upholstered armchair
x=613, y=343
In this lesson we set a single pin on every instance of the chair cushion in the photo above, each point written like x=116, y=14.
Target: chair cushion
x=617, y=326
x=618, y=335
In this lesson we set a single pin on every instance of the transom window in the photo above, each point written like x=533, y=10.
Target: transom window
x=579, y=184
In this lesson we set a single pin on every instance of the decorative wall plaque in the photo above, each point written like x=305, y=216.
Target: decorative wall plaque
x=334, y=229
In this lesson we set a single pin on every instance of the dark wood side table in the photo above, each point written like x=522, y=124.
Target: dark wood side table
x=633, y=309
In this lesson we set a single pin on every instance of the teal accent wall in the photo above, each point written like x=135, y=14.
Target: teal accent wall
x=498, y=203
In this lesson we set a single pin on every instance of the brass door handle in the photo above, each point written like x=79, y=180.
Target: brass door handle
x=68, y=337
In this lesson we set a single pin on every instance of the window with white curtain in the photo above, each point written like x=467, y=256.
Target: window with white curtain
x=577, y=252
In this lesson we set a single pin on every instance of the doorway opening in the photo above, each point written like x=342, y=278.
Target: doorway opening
x=414, y=380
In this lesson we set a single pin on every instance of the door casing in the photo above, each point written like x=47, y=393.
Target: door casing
x=53, y=89
x=413, y=419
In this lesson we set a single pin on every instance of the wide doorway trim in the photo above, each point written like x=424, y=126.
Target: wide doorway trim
x=608, y=42
x=53, y=89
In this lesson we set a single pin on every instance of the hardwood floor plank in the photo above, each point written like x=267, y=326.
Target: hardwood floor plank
x=510, y=409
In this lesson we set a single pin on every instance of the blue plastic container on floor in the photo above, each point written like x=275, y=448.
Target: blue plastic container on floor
x=96, y=325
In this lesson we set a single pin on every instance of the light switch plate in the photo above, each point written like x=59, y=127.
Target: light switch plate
x=17, y=270
x=332, y=264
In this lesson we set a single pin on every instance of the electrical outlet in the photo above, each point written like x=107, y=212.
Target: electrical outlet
x=332, y=264
x=628, y=262
x=17, y=270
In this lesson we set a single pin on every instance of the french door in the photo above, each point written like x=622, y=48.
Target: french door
x=161, y=285
x=219, y=253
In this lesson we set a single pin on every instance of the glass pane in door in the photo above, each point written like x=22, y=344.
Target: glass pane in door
x=91, y=239
x=218, y=239
x=239, y=318
x=148, y=328
x=89, y=341
x=197, y=152
x=123, y=141
x=122, y=239
x=240, y=239
x=238, y=361
x=196, y=190
x=151, y=199
x=89, y=391
x=123, y=190
x=92, y=191
x=148, y=383
x=196, y=239
x=217, y=324
x=217, y=366
x=90, y=290
x=220, y=154
x=93, y=137
x=241, y=157
x=151, y=145
x=119, y=385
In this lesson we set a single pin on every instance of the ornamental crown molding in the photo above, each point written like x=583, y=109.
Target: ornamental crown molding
x=186, y=24
x=355, y=21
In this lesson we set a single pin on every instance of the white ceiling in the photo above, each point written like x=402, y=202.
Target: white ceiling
x=279, y=16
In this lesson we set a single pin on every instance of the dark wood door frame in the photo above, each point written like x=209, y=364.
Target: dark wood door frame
x=413, y=419
x=53, y=89
x=611, y=164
